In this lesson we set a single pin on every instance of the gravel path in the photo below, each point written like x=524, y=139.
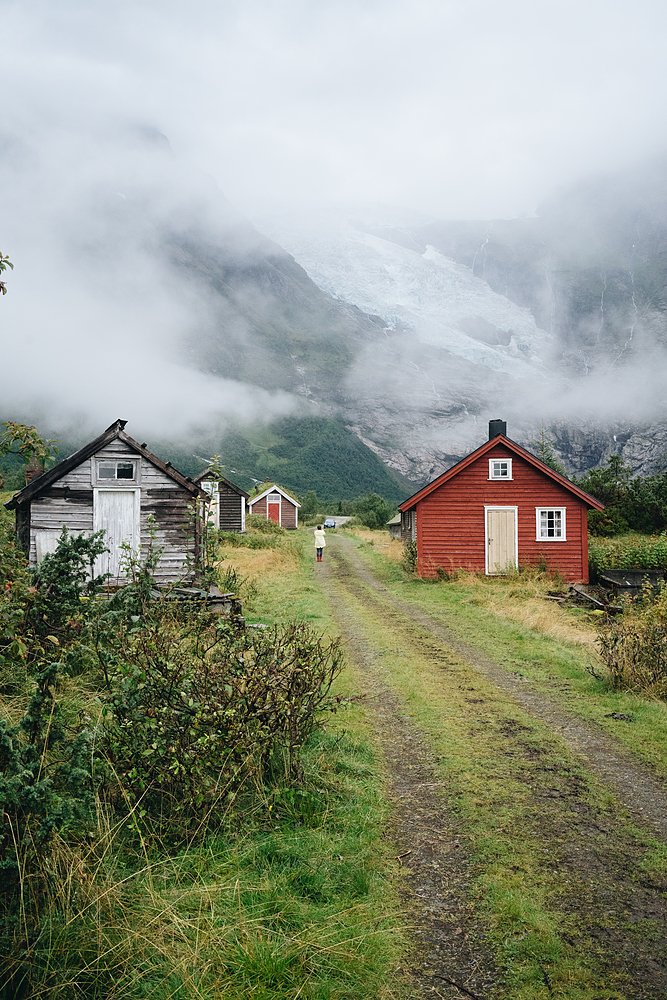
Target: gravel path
x=640, y=791
x=619, y=909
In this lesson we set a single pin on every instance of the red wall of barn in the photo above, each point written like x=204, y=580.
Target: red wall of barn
x=450, y=521
x=288, y=511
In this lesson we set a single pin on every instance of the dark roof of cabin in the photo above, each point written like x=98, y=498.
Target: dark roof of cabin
x=113, y=432
x=521, y=453
x=209, y=477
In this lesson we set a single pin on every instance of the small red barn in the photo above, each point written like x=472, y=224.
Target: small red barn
x=275, y=504
x=497, y=508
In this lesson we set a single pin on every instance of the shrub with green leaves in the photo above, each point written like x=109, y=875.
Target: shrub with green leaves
x=257, y=522
x=196, y=708
x=631, y=551
x=634, y=645
x=47, y=787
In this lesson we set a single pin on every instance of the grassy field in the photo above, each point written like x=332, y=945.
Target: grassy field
x=299, y=893
x=560, y=866
x=552, y=645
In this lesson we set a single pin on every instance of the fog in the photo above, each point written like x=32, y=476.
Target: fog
x=416, y=110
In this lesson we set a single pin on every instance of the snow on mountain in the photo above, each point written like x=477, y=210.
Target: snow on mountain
x=441, y=301
x=454, y=353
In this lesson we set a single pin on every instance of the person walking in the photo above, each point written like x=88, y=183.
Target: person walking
x=320, y=541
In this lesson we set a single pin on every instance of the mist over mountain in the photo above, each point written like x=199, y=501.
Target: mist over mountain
x=558, y=319
x=167, y=307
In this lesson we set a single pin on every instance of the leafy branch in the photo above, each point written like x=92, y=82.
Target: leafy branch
x=5, y=262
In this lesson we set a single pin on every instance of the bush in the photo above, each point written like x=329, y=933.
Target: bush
x=257, y=522
x=634, y=645
x=196, y=709
x=409, y=556
x=48, y=767
x=631, y=551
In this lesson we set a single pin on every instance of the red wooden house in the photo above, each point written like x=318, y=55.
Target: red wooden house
x=497, y=508
x=275, y=504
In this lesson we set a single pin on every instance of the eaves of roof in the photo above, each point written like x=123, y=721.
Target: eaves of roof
x=479, y=453
x=274, y=489
x=205, y=477
x=113, y=432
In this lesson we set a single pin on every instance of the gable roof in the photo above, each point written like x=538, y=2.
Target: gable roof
x=207, y=477
x=113, y=432
x=274, y=489
x=521, y=453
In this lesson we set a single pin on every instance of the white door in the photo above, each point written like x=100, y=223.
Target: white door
x=501, y=540
x=116, y=513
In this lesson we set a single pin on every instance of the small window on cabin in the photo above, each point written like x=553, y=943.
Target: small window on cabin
x=408, y=520
x=500, y=468
x=210, y=487
x=550, y=524
x=273, y=498
x=117, y=470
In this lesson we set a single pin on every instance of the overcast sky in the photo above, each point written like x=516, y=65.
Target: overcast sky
x=461, y=108
x=423, y=108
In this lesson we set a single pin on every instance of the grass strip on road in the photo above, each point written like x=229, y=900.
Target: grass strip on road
x=478, y=611
x=573, y=892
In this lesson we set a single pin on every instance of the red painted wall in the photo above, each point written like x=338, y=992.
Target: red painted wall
x=288, y=512
x=450, y=521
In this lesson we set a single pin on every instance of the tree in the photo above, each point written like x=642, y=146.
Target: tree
x=23, y=440
x=311, y=505
x=544, y=450
x=5, y=262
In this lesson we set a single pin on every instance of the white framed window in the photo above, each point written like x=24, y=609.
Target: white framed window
x=500, y=468
x=121, y=471
x=550, y=524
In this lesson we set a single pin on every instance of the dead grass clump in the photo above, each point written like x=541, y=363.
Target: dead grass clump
x=520, y=598
x=260, y=562
x=634, y=645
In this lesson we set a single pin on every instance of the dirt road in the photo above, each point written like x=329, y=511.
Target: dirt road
x=617, y=906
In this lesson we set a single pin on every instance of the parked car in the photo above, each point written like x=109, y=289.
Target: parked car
x=329, y=523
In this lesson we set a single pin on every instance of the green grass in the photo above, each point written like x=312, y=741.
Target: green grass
x=289, y=900
x=559, y=668
x=492, y=759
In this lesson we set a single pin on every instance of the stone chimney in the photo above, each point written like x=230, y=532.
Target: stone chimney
x=497, y=427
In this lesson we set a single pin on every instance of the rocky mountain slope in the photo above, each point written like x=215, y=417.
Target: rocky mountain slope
x=412, y=337
x=557, y=320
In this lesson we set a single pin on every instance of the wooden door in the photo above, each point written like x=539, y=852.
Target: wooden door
x=273, y=507
x=501, y=550
x=115, y=512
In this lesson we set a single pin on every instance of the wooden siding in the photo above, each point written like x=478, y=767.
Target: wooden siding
x=288, y=514
x=259, y=507
x=451, y=519
x=70, y=502
x=288, y=511
x=230, y=505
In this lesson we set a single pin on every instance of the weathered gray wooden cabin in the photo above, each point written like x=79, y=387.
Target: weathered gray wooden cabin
x=227, y=501
x=114, y=484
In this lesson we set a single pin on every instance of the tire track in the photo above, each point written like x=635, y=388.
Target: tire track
x=600, y=885
x=642, y=793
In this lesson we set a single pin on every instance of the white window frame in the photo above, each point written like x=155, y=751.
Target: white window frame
x=496, y=506
x=500, y=479
x=538, y=518
x=116, y=483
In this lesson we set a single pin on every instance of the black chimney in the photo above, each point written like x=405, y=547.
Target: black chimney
x=497, y=427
